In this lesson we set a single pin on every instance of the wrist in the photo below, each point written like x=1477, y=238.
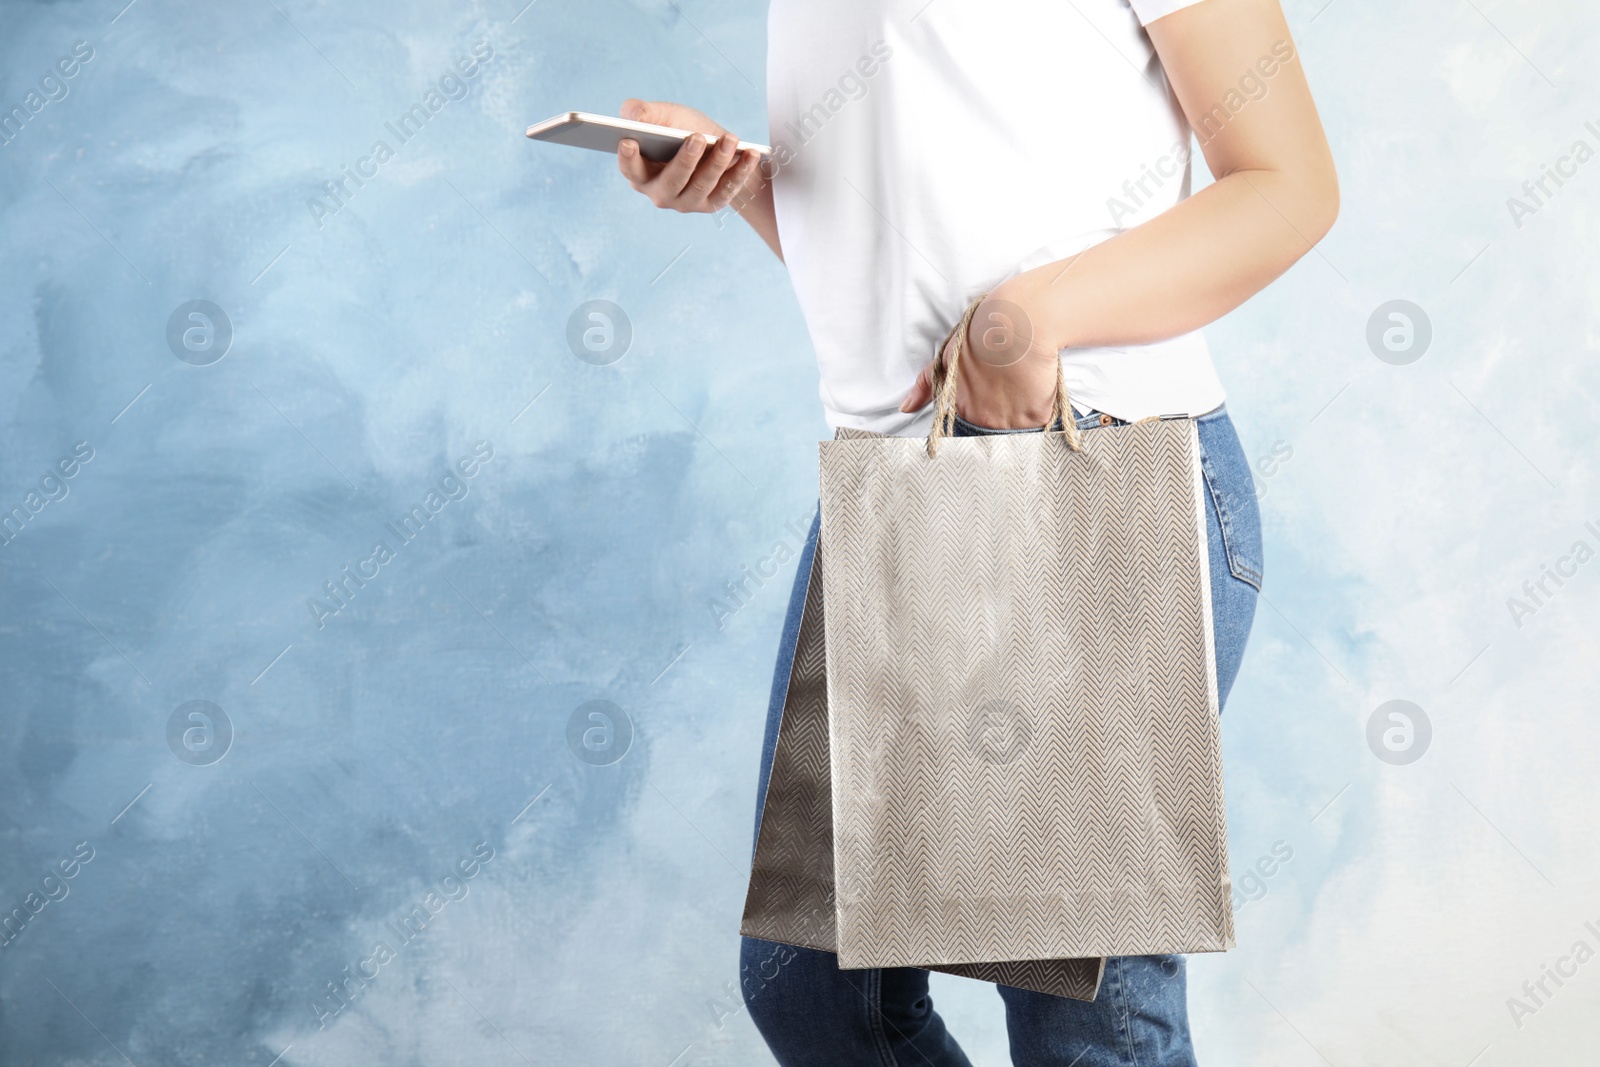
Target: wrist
x=1006, y=326
x=1039, y=296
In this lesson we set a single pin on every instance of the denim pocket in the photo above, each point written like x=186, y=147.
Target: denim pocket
x=1089, y=421
x=963, y=428
x=1227, y=478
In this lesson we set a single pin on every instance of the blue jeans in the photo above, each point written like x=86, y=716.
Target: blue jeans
x=812, y=1013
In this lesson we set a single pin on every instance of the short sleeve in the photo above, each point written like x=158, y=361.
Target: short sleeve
x=1150, y=10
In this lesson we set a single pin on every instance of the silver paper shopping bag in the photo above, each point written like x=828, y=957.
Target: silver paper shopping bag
x=1021, y=687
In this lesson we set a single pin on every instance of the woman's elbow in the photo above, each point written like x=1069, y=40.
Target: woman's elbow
x=1322, y=205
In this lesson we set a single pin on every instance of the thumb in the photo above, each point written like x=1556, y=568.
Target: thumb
x=921, y=391
x=635, y=110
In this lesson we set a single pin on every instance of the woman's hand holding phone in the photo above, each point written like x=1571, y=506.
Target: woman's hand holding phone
x=695, y=179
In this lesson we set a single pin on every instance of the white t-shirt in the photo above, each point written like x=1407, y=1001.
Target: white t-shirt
x=927, y=150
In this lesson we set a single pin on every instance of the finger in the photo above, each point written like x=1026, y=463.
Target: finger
x=921, y=391
x=667, y=186
x=631, y=162
x=712, y=169
x=635, y=110
x=749, y=175
x=734, y=185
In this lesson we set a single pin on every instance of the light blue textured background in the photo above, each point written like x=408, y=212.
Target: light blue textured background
x=372, y=352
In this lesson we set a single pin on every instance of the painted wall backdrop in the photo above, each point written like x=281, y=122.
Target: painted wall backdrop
x=352, y=596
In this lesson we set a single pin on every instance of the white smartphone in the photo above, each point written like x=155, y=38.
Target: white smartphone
x=603, y=133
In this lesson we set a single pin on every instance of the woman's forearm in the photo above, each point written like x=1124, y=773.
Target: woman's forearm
x=755, y=207
x=1182, y=269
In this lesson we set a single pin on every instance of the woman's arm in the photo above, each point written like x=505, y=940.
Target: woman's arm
x=1274, y=197
x=696, y=180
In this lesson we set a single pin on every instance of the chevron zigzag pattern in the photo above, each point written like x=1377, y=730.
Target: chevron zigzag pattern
x=791, y=897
